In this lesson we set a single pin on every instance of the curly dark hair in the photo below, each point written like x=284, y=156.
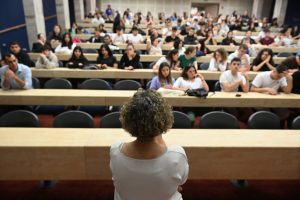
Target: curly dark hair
x=146, y=115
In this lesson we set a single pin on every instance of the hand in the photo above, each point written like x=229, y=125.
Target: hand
x=268, y=59
x=9, y=74
x=245, y=75
x=99, y=66
x=129, y=68
x=104, y=66
x=200, y=76
x=168, y=87
x=239, y=82
x=272, y=91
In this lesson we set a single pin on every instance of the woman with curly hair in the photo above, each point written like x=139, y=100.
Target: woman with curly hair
x=264, y=61
x=147, y=168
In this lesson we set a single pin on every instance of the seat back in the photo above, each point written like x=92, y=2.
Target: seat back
x=35, y=83
x=284, y=54
x=19, y=118
x=95, y=84
x=217, y=86
x=296, y=123
x=127, y=85
x=58, y=83
x=111, y=120
x=219, y=120
x=73, y=119
x=264, y=120
x=88, y=50
x=181, y=120
x=204, y=66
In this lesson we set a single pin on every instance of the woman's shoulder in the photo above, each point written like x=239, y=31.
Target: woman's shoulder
x=177, y=149
x=116, y=146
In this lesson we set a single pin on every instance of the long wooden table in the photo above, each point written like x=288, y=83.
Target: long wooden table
x=143, y=58
x=118, y=97
x=83, y=154
x=116, y=73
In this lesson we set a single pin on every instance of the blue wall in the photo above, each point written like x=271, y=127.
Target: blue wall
x=49, y=8
x=12, y=14
x=292, y=16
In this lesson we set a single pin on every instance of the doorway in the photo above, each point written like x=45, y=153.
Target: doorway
x=211, y=8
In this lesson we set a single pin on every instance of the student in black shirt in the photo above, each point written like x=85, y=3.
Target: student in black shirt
x=229, y=39
x=97, y=38
x=173, y=37
x=264, y=61
x=38, y=46
x=105, y=58
x=77, y=60
x=55, y=34
x=23, y=57
x=130, y=59
x=190, y=38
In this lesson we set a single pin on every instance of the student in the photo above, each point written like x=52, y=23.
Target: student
x=155, y=170
x=55, y=34
x=229, y=39
x=15, y=75
x=219, y=61
x=119, y=37
x=77, y=60
x=190, y=38
x=264, y=61
x=179, y=45
x=189, y=58
x=170, y=39
x=67, y=46
x=293, y=62
x=22, y=56
x=232, y=79
x=105, y=58
x=267, y=39
x=97, y=38
x=190, y=80
x=172, y=59
x=98, y=19
x=135, y=37
x=242, y=54
x=41, y=42
x=47, y=59
x=130, y=59
x=154, y=46
x=209, y=40
x=164, y=78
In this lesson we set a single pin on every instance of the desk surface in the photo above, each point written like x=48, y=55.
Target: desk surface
x=117, y=97
x=83, y=154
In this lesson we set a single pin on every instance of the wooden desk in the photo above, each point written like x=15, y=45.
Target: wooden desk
x=116, y=98
x=116, y=73
x=83, y=154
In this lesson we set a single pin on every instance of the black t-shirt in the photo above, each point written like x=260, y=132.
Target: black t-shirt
x=110, y=61
x=264, y=67
x=291, y=63
x=171, y=39
x=93, y=39
x=190, y=40
x=125, y=62
x=77, y=63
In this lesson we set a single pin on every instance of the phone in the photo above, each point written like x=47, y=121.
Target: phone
x=238, y=95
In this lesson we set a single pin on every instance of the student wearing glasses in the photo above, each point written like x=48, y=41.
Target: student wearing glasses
x=130, y=59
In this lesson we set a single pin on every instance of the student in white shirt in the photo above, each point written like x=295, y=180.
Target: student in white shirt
x=67, y=46
x=135, y=37
x=242, y=54
x=119, y=37
x=47, y=59
x=219, y=61
x=146, y=168
x=98, y=19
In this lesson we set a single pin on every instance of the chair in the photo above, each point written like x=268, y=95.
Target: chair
x=217, y=86
x=152, y=64
x=296, y=123
x=148, y=84
x=181, y=120
x=111, y=120
x=127, y=85
x=73, y=119
x=58, y=83
x=219, y=120
x=60, y=63
x=19, y=118
x=35, y=83
x=95, y=84
x=284, y=54
x=264, y=120
x=89, y=50
x=204, y=66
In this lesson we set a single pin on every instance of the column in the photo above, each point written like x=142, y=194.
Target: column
x=90, y=6
x=79, y=10
x=258, y=8
x=63, y=15
x=279, y=9
x=34, y=18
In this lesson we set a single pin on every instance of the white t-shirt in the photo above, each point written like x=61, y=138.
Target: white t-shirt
x=66, y=50
x=148, y=179
x=135, y=38
x=227, y=77
x=98, y=21
x=263, y=79
x=119, y=39
x=161, y=60
x=181, y=83
x=214, y=66
x=235, y=55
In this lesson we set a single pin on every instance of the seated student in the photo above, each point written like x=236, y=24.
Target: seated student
x=164, y=78
x=55, y=34
x=108, y=41
x=293, y=62
x=130, y=59
x=219, y=61
x=189, y=58
x=172, y=59
x=263, y=61
x=179, y=45
x=135, y=37
x=251, y=47
x=155, y=171
x=248, y=35
x=105, y=58
x=190, y=79
x=77, y=60
x=229, y=39
x=170, y=39
x=97, y=38
x=190, y=38
x=67, y=46
x=154, y=46
x=242, y=54
x=231, y=79
x=47, y=59
x=209, y=40
x=37, y=46
x=98, y=19
x=271, y=81
x=22, y=56
x=15, y=75
x=119, y=37
x=267, y=39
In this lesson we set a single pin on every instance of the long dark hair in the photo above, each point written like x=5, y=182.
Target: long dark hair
x=73, y=57
x=184, y=71
x=161, y=78
x=106, y=47
x=63, y=42
x=170, y=55
x=270, y=52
